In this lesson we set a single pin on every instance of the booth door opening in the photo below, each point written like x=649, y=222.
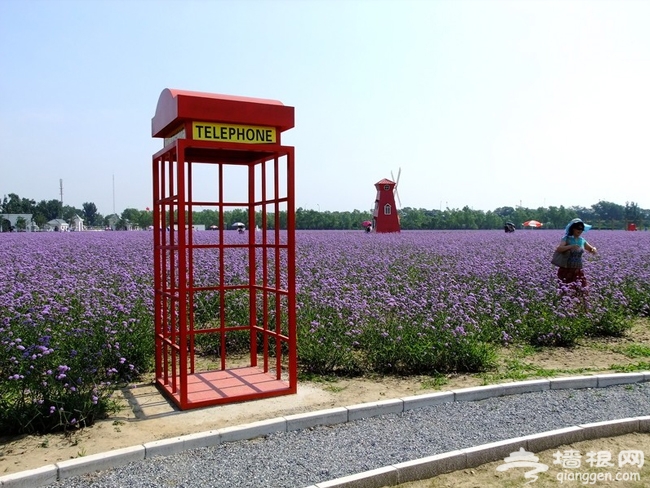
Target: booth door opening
x=224, y=299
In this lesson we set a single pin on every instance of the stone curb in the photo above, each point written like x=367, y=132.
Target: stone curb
x=96, y=462
x=424, y=468
x=45, y=475
x=473, y=457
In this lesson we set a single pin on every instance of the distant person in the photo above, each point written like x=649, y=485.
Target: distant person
x=369, y=228
x=575, y=245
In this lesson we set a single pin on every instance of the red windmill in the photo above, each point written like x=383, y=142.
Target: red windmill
x=384, y=215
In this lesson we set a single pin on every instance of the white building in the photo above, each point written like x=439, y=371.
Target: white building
x=14, y=219
x=57, y=225
x=77, y=223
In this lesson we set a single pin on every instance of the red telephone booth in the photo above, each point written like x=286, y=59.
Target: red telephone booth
x=225, y=320
x=384, y=216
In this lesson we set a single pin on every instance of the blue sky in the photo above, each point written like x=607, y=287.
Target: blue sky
x=480, y=103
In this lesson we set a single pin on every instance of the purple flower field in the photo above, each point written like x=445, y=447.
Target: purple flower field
x=76, y=308
x=431, y=300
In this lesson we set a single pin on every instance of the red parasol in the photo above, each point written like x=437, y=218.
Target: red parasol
x=532, y=223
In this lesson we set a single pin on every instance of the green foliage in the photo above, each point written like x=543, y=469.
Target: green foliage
x=631, y=368
x=236, y=318
x=603, y=215
x=437, y=334
x=612, y=323
x=392, y=347
x=66, y=375
x=90, y=215
x=637, y=293
x=435, y=381
x=637, y=351
x=326, y=345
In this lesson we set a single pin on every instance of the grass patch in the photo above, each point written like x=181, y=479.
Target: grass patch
x=636, y=351
x=434, y=382
x=630, y=368
x=514, y=369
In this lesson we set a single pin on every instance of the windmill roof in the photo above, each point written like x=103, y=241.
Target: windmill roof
x=385, y=181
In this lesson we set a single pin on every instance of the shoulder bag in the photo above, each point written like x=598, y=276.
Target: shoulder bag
x=560, y=259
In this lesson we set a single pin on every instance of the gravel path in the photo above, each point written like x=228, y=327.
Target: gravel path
x=301, y=458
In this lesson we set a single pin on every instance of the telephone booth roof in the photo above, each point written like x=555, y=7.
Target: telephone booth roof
x=178, y=106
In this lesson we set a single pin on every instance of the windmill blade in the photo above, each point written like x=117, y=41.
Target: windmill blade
x=399, y=173
x=392, y=177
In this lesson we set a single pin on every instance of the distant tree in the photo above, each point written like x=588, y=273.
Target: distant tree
x=145, y=219
x=141, y=218
x=608, y=211
x=603, y=214
x=235, y=215
x=521, y=215
x=49, y=210
x=69, y=212
x=644, y=215
x=435, y=219
x=16, y=205
x=557, y=217
x=21, y=224
x=632, y=212
x=283, y=219
x=412, y=218
x=469, y=217
x=39, y=218
x=584, y=213
x=492, y=221
x=90, y=214
x=207, y=217
x=505, y=212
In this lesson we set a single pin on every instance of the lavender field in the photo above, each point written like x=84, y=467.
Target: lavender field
x=76, y=314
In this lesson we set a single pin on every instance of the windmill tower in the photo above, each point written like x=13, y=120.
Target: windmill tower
x=384, y=216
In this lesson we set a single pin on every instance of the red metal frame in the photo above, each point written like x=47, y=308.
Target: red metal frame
x=270, y=368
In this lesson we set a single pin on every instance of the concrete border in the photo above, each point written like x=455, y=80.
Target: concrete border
x=45, y=475
x=429, y=467
x=409, y=471
x=96, y=462
x=375, y=409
